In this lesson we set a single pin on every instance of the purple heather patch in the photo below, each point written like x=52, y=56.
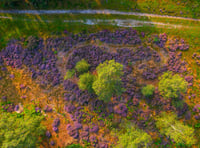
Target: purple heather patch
x=94, y=128
x=41, y=57
x=48, y=134
x=56, y=122
x=47, y=108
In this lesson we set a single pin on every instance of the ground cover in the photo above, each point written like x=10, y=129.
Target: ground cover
x=36, y=68
x=61, y=72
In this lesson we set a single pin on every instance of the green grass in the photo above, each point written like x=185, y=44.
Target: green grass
x=17, y=27
x=185, y=8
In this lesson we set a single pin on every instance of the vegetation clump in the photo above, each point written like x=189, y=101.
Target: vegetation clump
x=82, y=66
x=148, y=90
x=171, y=86
x=69, y=74
x=85, y=82
x=134, y=138
x=18, y=130
x=108, y=81
x=171, y=127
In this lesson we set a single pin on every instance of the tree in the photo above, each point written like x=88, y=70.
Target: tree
x=85, y=82
x=20, y=131
x=148, y=90
x=171, y=86
x=133, y=138
x=82, y=66
x=171, y=127
x=108, y=81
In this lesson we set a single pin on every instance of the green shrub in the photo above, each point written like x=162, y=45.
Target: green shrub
x=197, y=125
x=171, y=86
x=85, y=82
x=133, y=137
x=20, y=131
x=74, y=146
x=69, y=74
x=178, y=103
x=176, y=130
x=108, y=80
x=148, y=90
x=156, y=39
x=82, y=66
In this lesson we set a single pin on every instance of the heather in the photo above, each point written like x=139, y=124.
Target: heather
x=84, y=86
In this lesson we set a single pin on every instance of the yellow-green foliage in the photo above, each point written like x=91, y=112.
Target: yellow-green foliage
x=148, y=90
x=20, y=131
x=171, y=86
x=69, y=74
x=171, y=127
x=82, y=66
x=108, y=80
x=133, y=138
x=85, y=82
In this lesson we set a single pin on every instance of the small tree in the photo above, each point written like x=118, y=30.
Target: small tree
x=133, y=138
x=171, y=127
x=108, y=80
x=171, y=86
x=85, y=82
x=18, y=131
x=82, y=66
x=148, y=90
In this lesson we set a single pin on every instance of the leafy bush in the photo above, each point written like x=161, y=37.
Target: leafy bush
x=148, y=90
x=69, y=74
x=178, y=103
x=133, y=138
x=20, y=131
x=82, y=66
x=171, y=127
x=171, y=86
x=197, y=125
x=108, y=80
x=85, y=82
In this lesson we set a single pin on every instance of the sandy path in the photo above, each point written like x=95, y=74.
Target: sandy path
x=116, y=22
x=92, y=12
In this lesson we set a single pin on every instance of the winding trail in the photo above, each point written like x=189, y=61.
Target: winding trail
x=117, y=22
x=106, y=11
x=126, y=23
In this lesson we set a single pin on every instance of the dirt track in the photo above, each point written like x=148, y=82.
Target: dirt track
x=92, y=12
